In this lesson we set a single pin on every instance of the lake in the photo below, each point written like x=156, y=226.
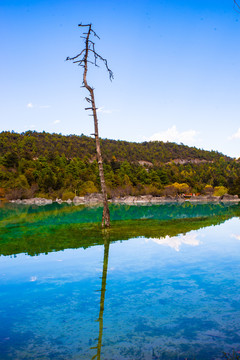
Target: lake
x=162, y=283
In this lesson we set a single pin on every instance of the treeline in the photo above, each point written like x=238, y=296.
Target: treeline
x=43, y=164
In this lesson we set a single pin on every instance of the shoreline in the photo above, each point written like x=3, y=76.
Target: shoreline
x=96, y=199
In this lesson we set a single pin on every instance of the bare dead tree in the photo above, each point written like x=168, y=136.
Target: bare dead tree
x=83, y=59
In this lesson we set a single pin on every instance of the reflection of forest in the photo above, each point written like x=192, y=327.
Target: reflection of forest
x=35, y=230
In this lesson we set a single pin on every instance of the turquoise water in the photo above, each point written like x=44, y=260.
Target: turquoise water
x=162, y=284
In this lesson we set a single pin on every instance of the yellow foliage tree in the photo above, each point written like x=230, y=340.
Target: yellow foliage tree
x=220, y=191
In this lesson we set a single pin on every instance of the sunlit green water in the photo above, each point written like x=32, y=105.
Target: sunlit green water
x=170, y=290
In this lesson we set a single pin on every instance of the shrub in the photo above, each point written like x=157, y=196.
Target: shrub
x=150, y=190
x=208, y=190
x=43, y=195
x=87, y=188
x=67, y=195
x=176, y=189
x=220, y=191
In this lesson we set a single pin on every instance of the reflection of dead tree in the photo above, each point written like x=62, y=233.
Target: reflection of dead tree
x=83, y=59
x=237, y=5
x=102, y=299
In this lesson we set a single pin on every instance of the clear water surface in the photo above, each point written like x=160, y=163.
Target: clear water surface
x=163, y=283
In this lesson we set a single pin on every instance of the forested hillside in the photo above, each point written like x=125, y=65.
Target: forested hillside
x=33, y=144
x=43, y=164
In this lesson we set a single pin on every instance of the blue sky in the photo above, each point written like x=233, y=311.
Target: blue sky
x=176, y=70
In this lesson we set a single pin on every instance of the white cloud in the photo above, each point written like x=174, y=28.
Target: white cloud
x=56, y=121
x=175, y=242
x=44, y=106
x=235, y=136
x=33, y=278
x=104, y=111
x=173, y=135
x=30, y=106
x=235, y=236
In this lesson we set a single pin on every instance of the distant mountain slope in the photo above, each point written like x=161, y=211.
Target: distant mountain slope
x=43, y=164
x=32, y=144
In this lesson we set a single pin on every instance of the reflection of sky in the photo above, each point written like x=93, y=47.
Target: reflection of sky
x=235, y=236
x=175, y=242
x=62, y=266
x=157, y=297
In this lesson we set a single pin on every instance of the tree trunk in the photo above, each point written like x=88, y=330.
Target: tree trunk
x=106, y=213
